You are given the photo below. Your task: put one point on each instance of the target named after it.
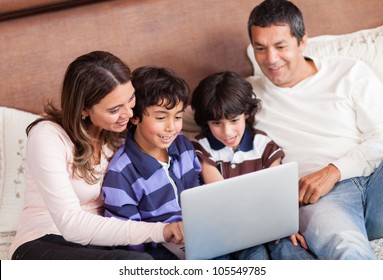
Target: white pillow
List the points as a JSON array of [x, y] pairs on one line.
[[12, 183], [366, 45]]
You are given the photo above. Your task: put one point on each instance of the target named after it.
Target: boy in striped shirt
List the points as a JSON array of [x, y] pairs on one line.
[[157, 162]]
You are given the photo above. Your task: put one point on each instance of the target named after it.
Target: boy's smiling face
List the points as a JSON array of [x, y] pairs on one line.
[[229, 131], [158, 129]]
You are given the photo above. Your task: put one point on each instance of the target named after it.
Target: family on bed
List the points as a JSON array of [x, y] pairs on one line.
[[104, 172]]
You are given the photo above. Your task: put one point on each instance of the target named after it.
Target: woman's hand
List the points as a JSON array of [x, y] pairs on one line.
[[174, 233]]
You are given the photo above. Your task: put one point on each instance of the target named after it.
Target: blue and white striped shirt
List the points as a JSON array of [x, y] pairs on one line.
[[137, 187]]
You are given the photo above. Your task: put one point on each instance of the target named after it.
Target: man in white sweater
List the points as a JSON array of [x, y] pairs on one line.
[[326, 115]]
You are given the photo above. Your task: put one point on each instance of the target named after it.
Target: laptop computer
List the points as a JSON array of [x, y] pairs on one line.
[[238, 213]]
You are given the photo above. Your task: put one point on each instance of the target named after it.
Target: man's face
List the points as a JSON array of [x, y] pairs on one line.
[[278, 54]]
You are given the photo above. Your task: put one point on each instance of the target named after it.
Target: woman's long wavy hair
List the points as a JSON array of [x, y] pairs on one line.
[[87, 80]]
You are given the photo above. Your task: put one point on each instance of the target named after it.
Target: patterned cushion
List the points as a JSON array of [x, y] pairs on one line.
[[12, 154], [377, 246]]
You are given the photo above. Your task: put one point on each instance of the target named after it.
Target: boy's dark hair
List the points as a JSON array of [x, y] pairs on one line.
[[224, 95], [278, 12], [158, 86]]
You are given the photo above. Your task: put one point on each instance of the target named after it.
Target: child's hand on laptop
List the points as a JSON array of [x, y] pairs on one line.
[[295, 238], [174, 233]]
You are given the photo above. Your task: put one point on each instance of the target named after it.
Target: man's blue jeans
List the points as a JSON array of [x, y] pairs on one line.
[[341, 223]]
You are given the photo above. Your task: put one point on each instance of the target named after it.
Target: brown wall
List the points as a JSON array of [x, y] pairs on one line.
[[195, 38]]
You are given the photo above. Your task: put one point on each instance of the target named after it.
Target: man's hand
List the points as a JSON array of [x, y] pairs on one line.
[[174, 233], [317, 184]]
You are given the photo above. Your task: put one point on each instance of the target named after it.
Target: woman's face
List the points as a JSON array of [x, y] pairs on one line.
[[113, 112]]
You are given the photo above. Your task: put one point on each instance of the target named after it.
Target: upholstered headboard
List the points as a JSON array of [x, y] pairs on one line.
[[38, 39]]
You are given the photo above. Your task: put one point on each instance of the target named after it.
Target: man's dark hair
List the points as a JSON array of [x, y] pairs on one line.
[[278, 12]]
